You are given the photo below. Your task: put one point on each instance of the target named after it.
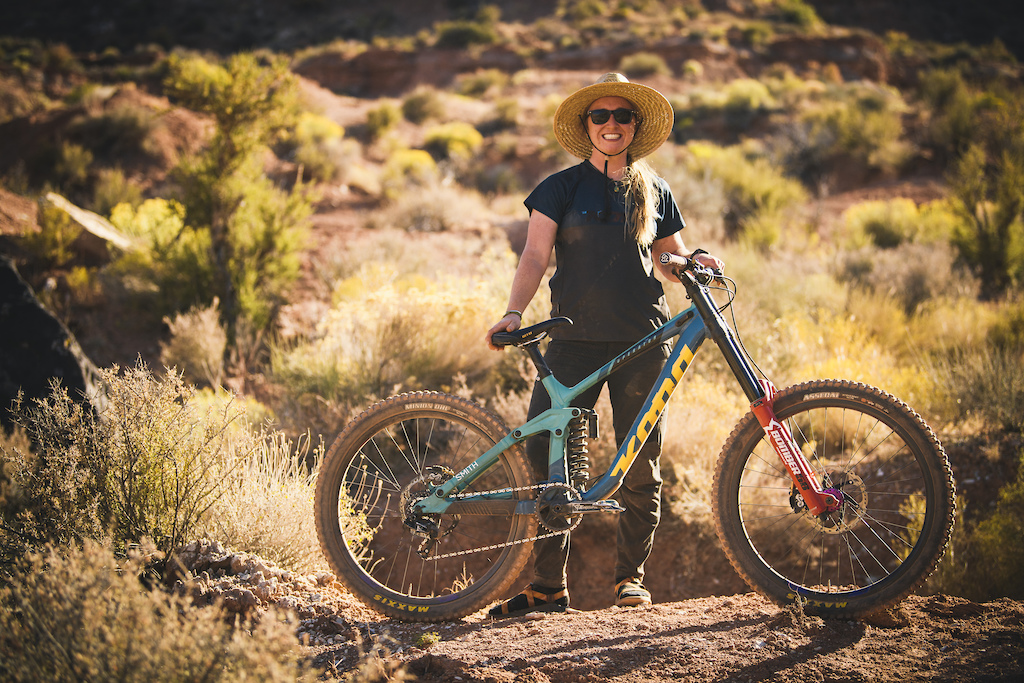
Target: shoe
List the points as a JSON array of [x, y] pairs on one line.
[[630, 593], [532, 600]]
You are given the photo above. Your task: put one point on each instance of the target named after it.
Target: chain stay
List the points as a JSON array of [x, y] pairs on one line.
[[498, 545]]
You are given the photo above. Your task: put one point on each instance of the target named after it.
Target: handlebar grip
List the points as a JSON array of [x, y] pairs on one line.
[[670, 259]]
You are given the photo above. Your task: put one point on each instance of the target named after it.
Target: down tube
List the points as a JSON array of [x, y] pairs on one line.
[[678, 361]]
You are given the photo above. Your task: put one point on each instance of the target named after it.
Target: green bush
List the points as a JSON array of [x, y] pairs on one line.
[[407, 168], [463, 33], [51, 246], [382, 119], [481, 82], [113, 188], [757, 191], [455, 140], [422, 104], [171, 270], [644, 65], [72, 165], [316, 145], [851, 123], [196, 347], [84, 615], [149, 465]]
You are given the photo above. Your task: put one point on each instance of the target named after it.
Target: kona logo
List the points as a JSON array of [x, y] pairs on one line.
[[388, 602], [775, 432], [654, 412]]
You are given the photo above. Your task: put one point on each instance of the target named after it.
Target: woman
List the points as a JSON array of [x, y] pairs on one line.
[[608, 220]]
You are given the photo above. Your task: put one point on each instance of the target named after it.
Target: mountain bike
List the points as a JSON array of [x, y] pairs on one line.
[[831, 493]]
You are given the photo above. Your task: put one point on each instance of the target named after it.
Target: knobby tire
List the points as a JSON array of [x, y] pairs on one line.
[[886, 539], [378, 466]]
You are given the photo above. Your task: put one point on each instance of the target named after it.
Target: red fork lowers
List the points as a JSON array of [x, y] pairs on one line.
[[817, 499]]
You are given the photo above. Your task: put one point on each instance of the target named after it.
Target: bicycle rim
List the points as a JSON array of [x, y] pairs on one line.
[[895, 519], [422, 567]]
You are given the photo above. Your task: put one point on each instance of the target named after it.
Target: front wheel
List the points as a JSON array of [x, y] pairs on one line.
[[895, 519], [412, 566]]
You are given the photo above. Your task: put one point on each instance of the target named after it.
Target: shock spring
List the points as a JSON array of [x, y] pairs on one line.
[[580, 429]]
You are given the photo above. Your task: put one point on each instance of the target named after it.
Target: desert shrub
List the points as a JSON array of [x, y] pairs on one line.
[[988, 193], [112, 188], [953, 107], [911, 274], [644, 65], [506, 113], [115, 134], [983, 382], [407, 168], [71, 169], [857, 122], [386, 333], [52, 244], [455, 140], [148, 465], [316, 145], [171, 270], [256, 230], [422, 104], [463, 33], [481, 82], [61, 485], [382, 119], [757, 191], [757, 34], [997, 539], [431, 207], [745, 97], [196, 347], [582, 10], [84, 615], [800, 13], [266, 506]]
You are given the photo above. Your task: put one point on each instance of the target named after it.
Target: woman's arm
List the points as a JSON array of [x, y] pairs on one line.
[[540, 240]]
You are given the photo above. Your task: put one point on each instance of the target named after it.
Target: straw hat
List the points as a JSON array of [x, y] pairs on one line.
[[655, 124]]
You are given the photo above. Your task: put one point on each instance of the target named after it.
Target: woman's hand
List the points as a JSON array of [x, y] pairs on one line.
[[710, 261], [510, 323]]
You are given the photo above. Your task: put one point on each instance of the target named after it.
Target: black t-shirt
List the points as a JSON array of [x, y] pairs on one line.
[[604, 281]]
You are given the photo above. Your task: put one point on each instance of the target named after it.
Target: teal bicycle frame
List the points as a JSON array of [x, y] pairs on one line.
[[692, 327]]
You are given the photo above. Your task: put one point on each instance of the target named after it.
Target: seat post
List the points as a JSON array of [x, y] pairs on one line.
[[532, 349]]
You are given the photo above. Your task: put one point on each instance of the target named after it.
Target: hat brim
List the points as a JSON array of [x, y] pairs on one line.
[[655, 111]]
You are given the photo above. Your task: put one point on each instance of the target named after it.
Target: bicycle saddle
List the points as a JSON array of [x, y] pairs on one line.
[[528, 335]]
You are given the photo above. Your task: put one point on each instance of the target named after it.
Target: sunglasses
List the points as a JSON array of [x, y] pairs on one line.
[[623, 116]]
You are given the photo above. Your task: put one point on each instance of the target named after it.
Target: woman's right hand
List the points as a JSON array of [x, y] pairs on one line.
[[510, 323]]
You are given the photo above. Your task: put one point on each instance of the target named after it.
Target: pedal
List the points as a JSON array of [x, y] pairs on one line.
[[597, 506]]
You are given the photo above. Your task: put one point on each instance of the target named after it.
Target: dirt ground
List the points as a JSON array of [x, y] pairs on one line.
[[735, 638], [741, 637]]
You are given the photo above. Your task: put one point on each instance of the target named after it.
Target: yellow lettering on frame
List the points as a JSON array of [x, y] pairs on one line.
[[654, 412]]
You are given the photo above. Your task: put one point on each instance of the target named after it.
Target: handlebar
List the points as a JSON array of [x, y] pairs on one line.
[[685, 264]]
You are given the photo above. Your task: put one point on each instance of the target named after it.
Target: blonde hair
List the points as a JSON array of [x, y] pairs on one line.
[[641, 201]]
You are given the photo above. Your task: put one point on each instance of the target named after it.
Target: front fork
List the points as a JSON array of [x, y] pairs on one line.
[[817, 499]]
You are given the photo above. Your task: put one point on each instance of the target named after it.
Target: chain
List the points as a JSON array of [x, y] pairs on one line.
[[498, 545]]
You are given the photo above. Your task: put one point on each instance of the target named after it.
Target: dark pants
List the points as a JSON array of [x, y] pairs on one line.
[[640, 493]]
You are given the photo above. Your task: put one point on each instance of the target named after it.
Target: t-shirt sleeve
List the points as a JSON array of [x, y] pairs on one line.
[[549, 197], [671, 220]]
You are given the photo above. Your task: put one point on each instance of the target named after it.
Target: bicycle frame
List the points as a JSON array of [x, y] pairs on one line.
[[692, 327]]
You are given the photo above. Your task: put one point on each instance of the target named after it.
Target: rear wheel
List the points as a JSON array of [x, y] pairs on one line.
[[413, 566], [895, 519]]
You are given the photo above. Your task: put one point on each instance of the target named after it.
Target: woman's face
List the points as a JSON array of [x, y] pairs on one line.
[[611, 137]]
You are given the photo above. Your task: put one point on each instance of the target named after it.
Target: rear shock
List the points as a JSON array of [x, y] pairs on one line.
[[580, 430]]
